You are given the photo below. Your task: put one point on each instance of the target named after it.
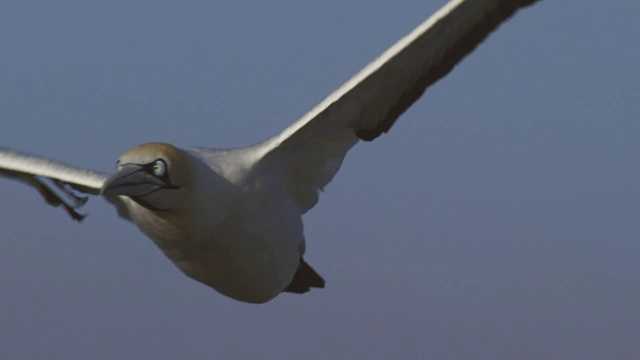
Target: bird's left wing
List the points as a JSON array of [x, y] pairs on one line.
[[310, 152], [57, 182]]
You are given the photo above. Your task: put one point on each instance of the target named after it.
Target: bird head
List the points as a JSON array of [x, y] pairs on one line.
[[154, 175]]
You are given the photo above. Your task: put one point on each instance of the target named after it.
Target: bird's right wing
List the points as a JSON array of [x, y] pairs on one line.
[[56, 181]]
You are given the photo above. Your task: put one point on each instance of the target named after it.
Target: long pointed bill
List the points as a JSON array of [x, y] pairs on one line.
[[133, 181]]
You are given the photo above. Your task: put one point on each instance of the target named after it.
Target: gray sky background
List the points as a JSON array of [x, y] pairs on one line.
[[498, 219]]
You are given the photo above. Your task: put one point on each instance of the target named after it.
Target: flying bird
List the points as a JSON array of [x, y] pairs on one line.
[[232, 219]]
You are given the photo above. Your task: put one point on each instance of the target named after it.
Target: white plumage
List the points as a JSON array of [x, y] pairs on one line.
[[231, 219]]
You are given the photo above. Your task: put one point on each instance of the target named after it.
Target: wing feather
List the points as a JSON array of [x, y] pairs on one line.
[[310, 151], [55, 181]]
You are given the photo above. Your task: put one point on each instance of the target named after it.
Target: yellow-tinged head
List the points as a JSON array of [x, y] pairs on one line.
[[154, 175]]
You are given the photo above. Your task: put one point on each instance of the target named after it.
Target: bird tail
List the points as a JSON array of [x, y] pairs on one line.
[[304, 279]]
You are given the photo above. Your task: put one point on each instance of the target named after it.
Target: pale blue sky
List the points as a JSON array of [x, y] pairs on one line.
[[498, 219]]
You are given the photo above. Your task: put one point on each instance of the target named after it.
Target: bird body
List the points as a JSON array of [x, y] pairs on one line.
[[221, 219], [231, 219]]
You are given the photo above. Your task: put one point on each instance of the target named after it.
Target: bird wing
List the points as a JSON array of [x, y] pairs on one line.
[[310, 152], [56, 181]]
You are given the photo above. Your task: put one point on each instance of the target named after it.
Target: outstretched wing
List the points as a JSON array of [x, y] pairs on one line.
[[57, 182], [310, 151]]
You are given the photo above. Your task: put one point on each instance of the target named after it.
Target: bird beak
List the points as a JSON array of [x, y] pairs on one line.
[[133, 181]]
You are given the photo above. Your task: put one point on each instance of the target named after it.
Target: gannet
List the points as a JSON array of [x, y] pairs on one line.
[[231, 219]]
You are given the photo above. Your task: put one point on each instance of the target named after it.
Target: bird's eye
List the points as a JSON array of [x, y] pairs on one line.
[[118, 165], [159, 168]]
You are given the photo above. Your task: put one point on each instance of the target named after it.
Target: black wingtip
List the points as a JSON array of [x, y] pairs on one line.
[[304, 279], [452, 57]]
